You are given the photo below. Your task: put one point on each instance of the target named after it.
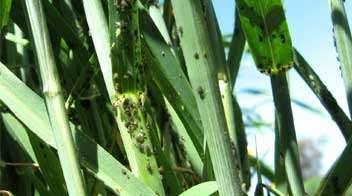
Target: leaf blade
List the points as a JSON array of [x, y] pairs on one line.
[[266, 31]]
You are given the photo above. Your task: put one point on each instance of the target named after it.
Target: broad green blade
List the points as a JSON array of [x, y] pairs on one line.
[[192, 154], [131, 100], [30, 109], [205, 188], [22, 151], [265, 27], [49, 165], [232, 110], [18, 133], [202, 66], [5, 8], [39, 152], [167, 73]]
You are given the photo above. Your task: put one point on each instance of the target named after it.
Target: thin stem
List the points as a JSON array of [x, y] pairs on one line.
[[54, 99]]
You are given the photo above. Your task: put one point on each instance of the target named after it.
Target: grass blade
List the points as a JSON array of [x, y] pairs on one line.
[[343, 43], [18, 133], [167, 73], [266, 31], [205, 188], [30, 109], [126, 92], [192, 153], [39, 152], [5, 8], [232, 110], [324, 95], [54, 99], [339, 177], [98, 28], [264, 25], [201, 64], [236, 50], [286, 133]]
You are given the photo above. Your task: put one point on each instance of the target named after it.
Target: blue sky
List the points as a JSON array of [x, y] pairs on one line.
[[311, 31]]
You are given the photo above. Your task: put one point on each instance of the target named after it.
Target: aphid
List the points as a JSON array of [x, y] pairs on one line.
[[196, 55], [140, 137], [148, 151], [124, 172], [180, 30], [115, 103], [132, 126], [201, 92], [149, 168]]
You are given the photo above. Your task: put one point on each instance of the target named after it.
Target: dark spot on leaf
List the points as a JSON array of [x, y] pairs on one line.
[[180, 30], [201, 92], [149, 168], [124, 172], [41, 145], [282, 38]]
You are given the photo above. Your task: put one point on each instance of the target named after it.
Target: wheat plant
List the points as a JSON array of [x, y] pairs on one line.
[[136, 97]]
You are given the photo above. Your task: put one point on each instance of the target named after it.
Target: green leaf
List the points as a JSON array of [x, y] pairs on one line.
[[203, 63], [39, 152], [5, 8], [287, 149], [18, 133], [266, 31], [30, 109], [339, 176], [237, 47], [205, 188], [343, 44], [54, 99], [167, 73], [49, 165], [131, 100], [324, 95]]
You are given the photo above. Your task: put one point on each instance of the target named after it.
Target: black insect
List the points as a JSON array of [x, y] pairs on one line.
[[201, 92]]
